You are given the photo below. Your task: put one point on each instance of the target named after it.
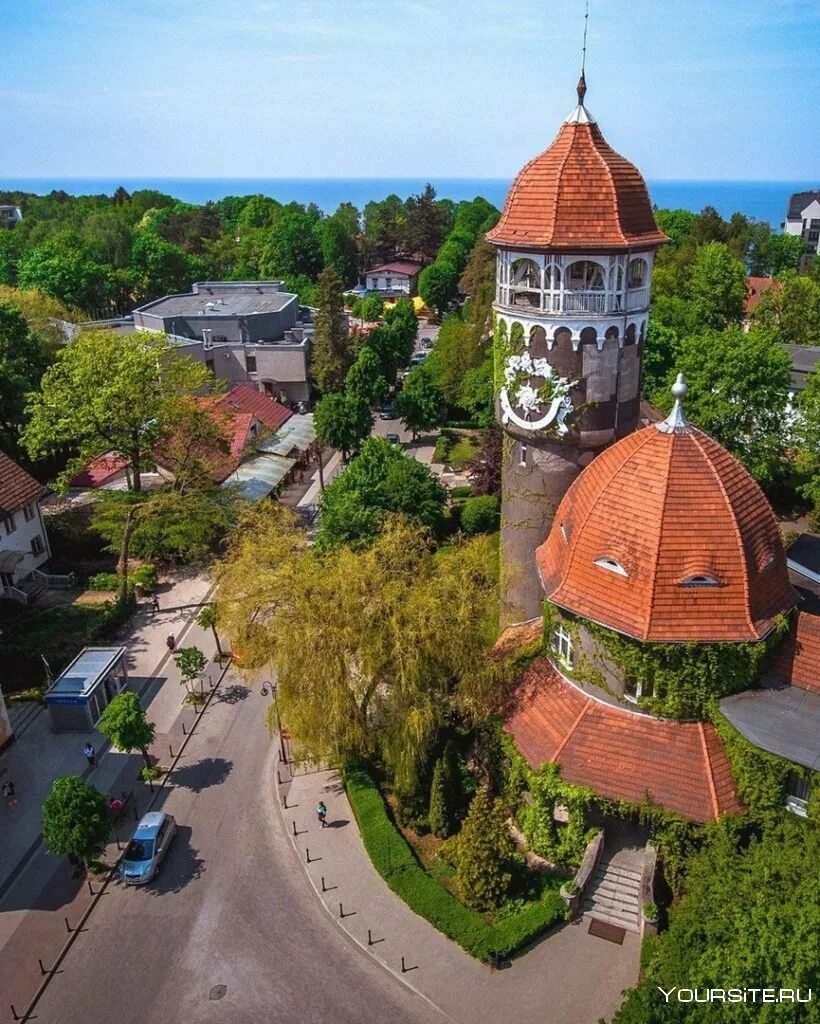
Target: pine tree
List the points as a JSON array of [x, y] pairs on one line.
[[331, 346], [483, 848], [440, 816]]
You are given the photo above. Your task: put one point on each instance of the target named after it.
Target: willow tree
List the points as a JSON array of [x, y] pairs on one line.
[[370, 646]]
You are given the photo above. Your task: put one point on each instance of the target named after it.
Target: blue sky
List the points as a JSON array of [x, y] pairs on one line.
[[446, 88]]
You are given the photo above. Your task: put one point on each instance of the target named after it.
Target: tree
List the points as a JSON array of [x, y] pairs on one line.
[[161, 268], [717, 288], [191, 663], [425, 224], [438, 285], [22, 363], [773, 254], [207, 618], [331, 344], [677, 224], [342, 420], [791, 310], [109, 392], [339, 248], [480, 514], [126, 725], [419, 402], [193, 442], [383, 229], [368, 644], [75, 818], [380, 480], [482, 853], [364, 378], [370, 308], [439, 817], [738, 387], [749, 916], [806, 430], [61, 267], [485, 468], [44, 315], [293, 245]]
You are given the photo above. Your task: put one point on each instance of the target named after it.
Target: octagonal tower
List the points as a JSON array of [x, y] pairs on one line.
[[575, 246]]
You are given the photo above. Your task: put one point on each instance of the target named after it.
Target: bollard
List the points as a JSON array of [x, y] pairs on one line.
[[68, 927], [15, 1015], [341, 911], [307, 854], [151, 784], [278, 777], [90, 889], [171, 749], [403, 968], [369, 938], [285, 800], [295, 833], [42, 969], [324, 887], [184, 732]]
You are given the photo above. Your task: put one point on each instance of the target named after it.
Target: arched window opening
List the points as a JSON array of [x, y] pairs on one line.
[[585, 276], [700, 580], [563, 647], [605, 562], [638, 273], [525, 284]]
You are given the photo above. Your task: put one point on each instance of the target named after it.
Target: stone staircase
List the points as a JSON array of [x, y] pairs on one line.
[[615, 891]]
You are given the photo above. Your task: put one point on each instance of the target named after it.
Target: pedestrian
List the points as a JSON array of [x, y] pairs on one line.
[[91, 755], [321, 813], [172, 643], [155, 604], [9, 794]]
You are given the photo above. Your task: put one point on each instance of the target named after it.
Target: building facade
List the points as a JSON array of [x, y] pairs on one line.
[[395, 280], [575, 247], [803, 218], [243, 331], [24, 543], [10, 215]]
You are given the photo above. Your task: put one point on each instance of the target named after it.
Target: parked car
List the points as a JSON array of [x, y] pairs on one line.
[[387, 412], [148, 846], [393, 439], [417, 357]]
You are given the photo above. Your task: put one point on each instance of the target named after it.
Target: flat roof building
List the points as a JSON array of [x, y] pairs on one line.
[[80, 694]]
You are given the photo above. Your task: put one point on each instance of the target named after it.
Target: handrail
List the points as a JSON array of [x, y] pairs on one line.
[[56, 580], [16, 594]]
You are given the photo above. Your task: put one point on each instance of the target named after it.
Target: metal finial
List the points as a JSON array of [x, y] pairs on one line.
[[676, 422], [582, 89]]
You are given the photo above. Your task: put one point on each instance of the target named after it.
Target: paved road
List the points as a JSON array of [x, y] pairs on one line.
[[231, 908]]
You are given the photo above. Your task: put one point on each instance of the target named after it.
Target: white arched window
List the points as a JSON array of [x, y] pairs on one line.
[[585, 276], [700, 580], [605, 562], [525, 283], [638, 273]]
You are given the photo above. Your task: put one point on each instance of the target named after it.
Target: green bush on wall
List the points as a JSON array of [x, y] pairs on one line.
[[395, 862]]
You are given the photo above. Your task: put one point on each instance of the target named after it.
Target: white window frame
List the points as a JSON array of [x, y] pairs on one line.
[[29, 511], [608, 563], [10, 523], [522, 455], [36, 541], [797, 804], [563, 646], [700, 581]]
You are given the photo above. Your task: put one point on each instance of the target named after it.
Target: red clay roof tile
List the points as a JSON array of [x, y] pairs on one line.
[[798, 660], [17, 487]]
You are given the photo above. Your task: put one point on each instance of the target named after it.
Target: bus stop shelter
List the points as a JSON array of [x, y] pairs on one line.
[[78, 697]]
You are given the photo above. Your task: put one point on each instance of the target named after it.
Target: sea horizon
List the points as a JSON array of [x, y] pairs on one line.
[[763, 200]]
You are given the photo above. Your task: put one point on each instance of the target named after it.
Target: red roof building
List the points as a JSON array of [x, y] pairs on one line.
[[245, 398], [756, 287], [621, 754], [578, 195], [798, 659], [666, 537], [17, 487]]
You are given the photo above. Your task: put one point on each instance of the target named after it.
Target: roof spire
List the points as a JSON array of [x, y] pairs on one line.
[[676, 422], [581, 115]]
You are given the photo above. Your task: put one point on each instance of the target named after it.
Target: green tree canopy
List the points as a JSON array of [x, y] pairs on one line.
[[62, 268], [482, 853], [191, 663], [380, 480], [126, 725], [342, 420], [109, 392], [438, 285], [75, 818], [425, 223], [367, 644], [364, 378], [749, 918], [738, 391], [717, 288], [293, 245], [331, 344], [22, 363], [419, 402], [791, 310]]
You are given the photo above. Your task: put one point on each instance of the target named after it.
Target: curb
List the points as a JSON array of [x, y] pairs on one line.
[[38, 995], [372, 957], [22, 863]]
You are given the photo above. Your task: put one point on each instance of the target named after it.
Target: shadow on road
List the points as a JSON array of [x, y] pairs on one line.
[[181, 866], [338, 823], [232, 694], [210, 771]]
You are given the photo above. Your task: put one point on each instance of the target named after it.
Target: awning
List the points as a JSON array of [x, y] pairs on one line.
[[259, 475], [785, 722], [9, 560], [298, 434]]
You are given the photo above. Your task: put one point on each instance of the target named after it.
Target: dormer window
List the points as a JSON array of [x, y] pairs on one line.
[[565, 533], [605, 562], [701, 580]]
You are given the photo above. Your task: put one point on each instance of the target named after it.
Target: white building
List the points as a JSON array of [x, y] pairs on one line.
[[23, 539], [803, 218], [393, 279], [10, 215]]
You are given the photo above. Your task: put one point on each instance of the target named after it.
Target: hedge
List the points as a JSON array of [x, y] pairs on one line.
[[396, 863]]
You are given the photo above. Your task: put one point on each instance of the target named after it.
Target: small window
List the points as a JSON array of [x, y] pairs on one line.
[[634, 689], [250, 362], [701, 581], [565, 533], [563, 647], [37, 546], [611, 566], [29, 512], [798, 789], [10, 523], [522, 455]]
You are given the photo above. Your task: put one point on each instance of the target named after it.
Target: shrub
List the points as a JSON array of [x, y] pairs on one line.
[[444, 445], [461, 492], [393, 859], [144, 577], [482, 855], [480, 515], [440, 817], [104, 581]]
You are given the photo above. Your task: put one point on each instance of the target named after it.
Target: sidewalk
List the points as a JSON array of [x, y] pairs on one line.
[[567, 976], [47, 892], [38, 755]]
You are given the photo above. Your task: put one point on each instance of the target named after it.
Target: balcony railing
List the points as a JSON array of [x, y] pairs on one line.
[[596, 303], [56, 580]]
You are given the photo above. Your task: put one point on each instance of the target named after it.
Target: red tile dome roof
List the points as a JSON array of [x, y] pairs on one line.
[[666, 537], [578, 195]]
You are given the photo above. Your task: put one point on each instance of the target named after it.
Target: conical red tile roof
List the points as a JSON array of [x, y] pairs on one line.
[[578, 195], [659, 508]]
